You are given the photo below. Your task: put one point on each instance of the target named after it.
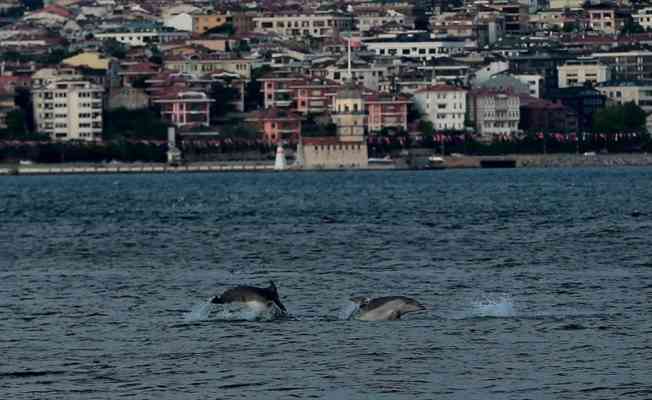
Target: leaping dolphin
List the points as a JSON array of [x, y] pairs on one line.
[[259, 299], [385, 308]]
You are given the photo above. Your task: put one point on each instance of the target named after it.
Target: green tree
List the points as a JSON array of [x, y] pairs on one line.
[[631, 27], [619, 118], [224, 97], [134, 124], [114, 48], [426, 127]]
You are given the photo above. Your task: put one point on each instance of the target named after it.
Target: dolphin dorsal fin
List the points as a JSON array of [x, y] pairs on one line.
[[272, 286]]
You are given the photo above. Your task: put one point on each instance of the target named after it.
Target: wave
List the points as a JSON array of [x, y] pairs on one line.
[[494, 307], [348, 310]]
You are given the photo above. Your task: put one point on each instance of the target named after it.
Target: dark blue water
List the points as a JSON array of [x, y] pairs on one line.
[[539, 280]]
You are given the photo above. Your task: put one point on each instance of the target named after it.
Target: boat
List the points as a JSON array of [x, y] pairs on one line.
[[387, 160], [436, 162]]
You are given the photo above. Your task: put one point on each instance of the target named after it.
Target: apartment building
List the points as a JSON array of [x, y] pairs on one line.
[[627, 65], [318, 25], [621, 92], [69, 110], [419, 46], [443, 105], [204, 64], [386, 111], [368, 20], [184, 108], [606, 18], [142, 33], [644, 17], [580, 72], [494, 113]]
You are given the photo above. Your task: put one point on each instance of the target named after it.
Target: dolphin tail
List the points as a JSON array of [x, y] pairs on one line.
[[272, 287]]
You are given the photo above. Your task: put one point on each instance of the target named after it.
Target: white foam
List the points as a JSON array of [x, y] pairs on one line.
[[500, 306], [231, 312], [348, 310]]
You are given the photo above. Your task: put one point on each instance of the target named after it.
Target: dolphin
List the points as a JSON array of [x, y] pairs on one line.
[[385, 308], [259, 299]]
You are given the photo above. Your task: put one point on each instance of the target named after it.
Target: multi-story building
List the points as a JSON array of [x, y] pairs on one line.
[[543, 116], [202, 23], [69, 110], [208, 63], [142, 34], [627, 65], [443, 105], [319, 24], [367, 20], [584, 101], [184, 108], [419, 46], [534, 83], [494, 113], [516, 14], [386, 112], [643, 17], [314, 96], [621, 92], [580, 72], [277, 125], [606, 18]]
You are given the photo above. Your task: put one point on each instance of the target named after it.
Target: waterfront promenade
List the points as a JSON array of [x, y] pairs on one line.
[[459, 161]]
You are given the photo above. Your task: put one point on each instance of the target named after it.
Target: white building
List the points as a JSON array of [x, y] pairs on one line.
[[69, 110], [578, 72], [367, 21], [534, 83], [443, 105], [494, 113], [142, 34], [644, 17], [180, 22], [420, 47]]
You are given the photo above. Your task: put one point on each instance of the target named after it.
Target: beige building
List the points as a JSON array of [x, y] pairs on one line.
[[69, 110], [621, 92], [196, 64], [297, 25], [349, 148], [579, 72]]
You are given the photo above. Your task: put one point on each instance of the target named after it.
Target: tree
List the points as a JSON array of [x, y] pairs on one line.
[[224, 97], [631, 27], [114, 48], [619, 118], [253, 95], [32, 4], [133, 124], [426, 127]]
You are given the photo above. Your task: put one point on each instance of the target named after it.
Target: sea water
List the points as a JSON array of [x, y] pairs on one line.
[[538, 283]]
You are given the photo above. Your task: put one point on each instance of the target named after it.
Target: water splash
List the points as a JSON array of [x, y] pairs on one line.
[[348, 310], [501, 306], [199, 312], [231, 312]]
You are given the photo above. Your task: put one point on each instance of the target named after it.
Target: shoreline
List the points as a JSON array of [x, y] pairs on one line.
[[450, 162]]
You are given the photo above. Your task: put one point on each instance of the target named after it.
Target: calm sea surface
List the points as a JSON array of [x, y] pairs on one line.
[[539, 282]]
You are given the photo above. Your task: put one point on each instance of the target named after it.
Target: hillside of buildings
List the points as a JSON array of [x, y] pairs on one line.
[[100, 80]]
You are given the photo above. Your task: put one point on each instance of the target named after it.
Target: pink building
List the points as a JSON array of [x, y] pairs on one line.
[[277, 125], [385, 111], [314, 96]]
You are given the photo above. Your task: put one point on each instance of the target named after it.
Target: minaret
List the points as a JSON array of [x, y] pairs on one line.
[[349, 110], [299, 160]]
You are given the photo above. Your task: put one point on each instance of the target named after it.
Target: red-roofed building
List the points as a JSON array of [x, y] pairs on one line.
[[538, 115]]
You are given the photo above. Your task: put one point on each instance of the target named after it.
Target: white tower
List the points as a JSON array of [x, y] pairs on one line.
[[280, 163]]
